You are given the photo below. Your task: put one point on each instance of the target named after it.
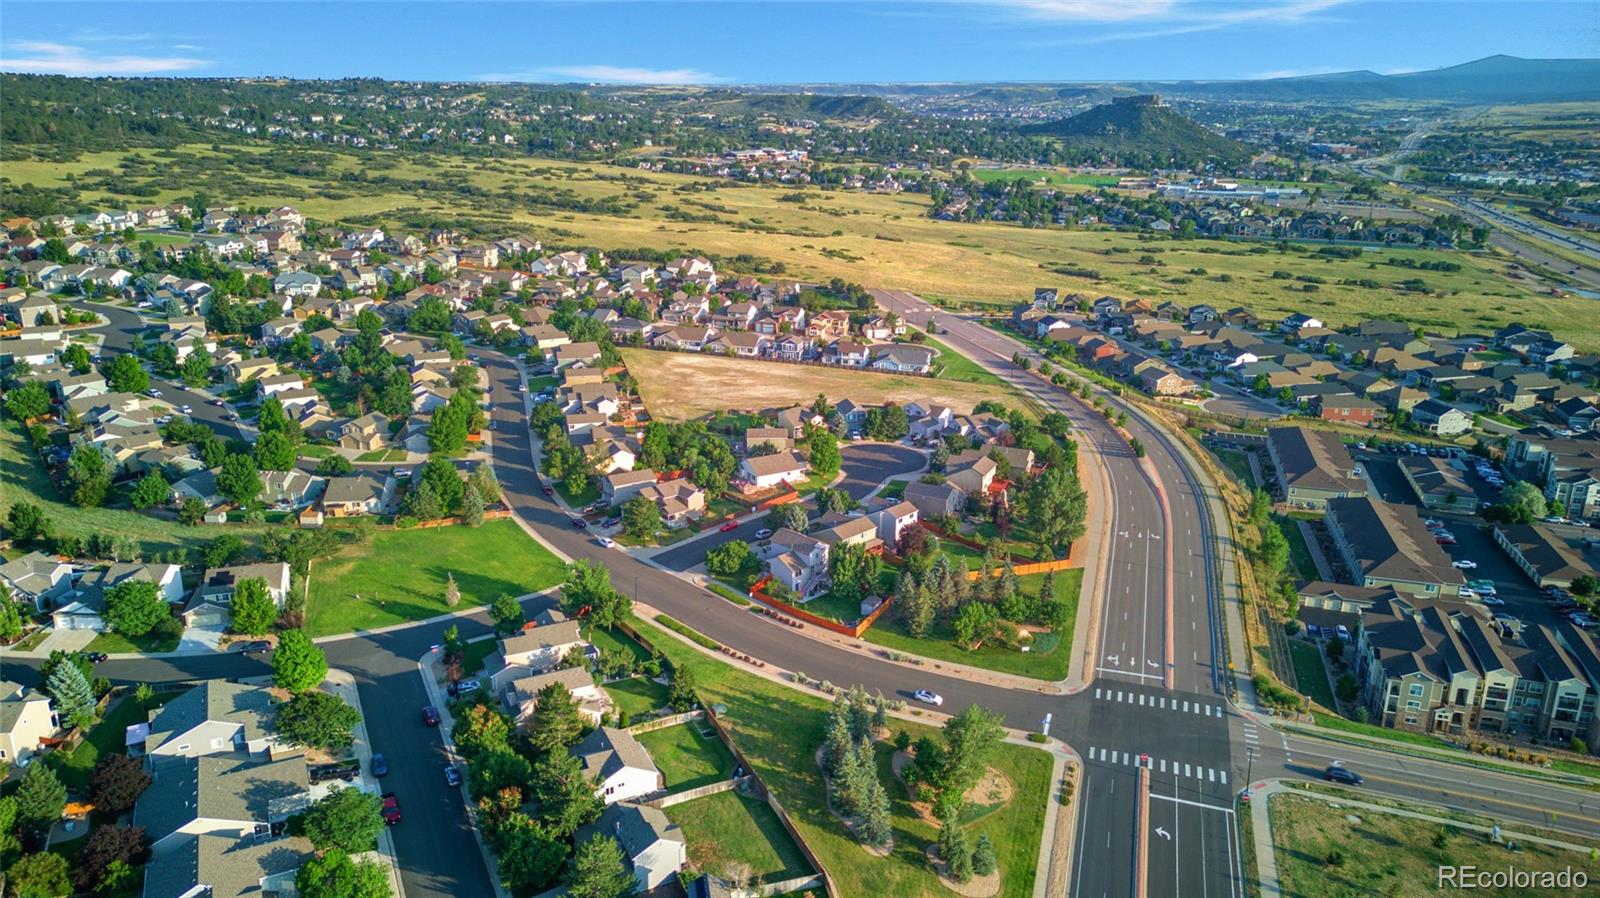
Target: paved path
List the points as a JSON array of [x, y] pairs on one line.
[[1314, 546]]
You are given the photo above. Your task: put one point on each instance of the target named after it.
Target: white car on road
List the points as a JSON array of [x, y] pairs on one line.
[[1465, 564], [932, 698], [606, 542]]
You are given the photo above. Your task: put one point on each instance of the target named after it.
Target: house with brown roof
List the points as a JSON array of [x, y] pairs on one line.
[[1313, 466]]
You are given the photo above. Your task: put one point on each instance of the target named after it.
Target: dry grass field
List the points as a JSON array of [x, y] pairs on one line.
[[878, 240], [679, 386]]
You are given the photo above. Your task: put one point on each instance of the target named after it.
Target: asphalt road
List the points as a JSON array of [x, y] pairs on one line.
[[864, 465], [117, 333]]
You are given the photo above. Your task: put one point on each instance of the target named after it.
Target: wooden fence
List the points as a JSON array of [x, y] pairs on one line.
[[853, 631], [661, 723], [727, 785], [777, 808], [1032, 567], [1020, 564]]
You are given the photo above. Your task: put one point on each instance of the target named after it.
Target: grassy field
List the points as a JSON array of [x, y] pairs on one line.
[[833, 234], [637, 695], [1053, 177], [1299, 553], [1327, 854], [729, 828], [1308, 671], [114, 643], [25, 480], [687, 759], [399, 575], [953, 365], [679, 386], [779, 729]]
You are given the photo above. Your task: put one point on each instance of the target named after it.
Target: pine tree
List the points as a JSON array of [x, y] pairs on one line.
[[40, 798], [842, 787], [926, 609], [10, 618], [837, 743], [1047, 587], [874, 827], [73, 695], [983, 862], [860, 713], [863, 775], [960, 862], [452, 593], [880, 714]]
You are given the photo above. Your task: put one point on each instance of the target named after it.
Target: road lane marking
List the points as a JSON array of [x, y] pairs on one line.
[[1196, 804]]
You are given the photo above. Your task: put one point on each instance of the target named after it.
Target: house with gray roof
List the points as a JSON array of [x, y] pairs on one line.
[[210, 602], [619, 766], [222, 795], [36, 578], [653, 847], [215, 866], [1313, 466], [216, 717], [26, 720]]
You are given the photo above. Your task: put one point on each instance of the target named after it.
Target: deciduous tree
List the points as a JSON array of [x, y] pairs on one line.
[[253, 610], [318, 719], [117, 782], [333, 874], [346, 820], [297, 664]]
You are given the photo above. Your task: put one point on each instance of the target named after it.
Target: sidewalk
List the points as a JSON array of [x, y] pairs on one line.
[[430, 667], [342, 684], [1091, 594]]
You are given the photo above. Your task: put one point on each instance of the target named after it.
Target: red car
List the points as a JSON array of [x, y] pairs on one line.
[[430, 716], [731, 525], [391, 809]]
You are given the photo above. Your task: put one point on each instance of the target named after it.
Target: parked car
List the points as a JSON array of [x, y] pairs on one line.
[[928, 697], [549, 491], [729, 527], [1492, 601], [463, 687], [391, 809], [606, 542], [156, 394], [580, 523], [1467, 592], [1337, 773], [430, 716], [255, 647], [1465, 564], [380, 766], [763, 533], [95, 657], [452, 776], [321, 773], [1343, 632], [186, 409]]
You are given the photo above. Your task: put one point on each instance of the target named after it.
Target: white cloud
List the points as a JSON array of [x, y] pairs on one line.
[[1092, 10], [1300, 73], [48, 57], [610, 74]]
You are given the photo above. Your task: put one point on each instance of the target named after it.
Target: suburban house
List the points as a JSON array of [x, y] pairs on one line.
[[1441, 418], [358, 494], [621, 486], [208, 605], [573, 353], [652, 846], [532, 652], [892, 522], [37, 579], [798, 561], [1346, 410], [223, 795], [679, 501], [367, 433], [1313, 466], [777, 437], [215, 717], [767, 471], [935, 500], [522, 696], [971, 472], [26, 720], [618, 765], [221, 866], [1440, 483], [84, 607]]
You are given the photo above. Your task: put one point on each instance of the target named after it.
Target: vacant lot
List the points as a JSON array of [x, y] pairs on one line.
[[1323, 853], [879, 240], [679, 386], [400, 575]]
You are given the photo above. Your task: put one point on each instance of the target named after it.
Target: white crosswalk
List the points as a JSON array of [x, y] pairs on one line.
[[1159, 702], [1158, 765]]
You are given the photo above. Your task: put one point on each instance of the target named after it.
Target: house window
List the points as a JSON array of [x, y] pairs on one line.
[[1416, 689], [1413, 705]]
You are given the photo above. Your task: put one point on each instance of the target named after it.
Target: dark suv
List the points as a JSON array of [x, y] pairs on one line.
[[1337, 774]]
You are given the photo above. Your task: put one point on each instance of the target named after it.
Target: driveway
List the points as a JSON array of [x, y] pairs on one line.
[[66, 641], [202, 637]]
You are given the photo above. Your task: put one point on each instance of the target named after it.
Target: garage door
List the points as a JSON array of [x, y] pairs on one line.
[[210, 619]]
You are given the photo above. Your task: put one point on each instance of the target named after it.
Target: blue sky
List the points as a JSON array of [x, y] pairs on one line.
[[756, 41]]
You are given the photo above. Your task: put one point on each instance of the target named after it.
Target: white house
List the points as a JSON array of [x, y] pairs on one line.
[[894, 521], [653, 847], [532, 652], [212, 599], [619, 766], [767, 471], [522, 696], [216, 717]]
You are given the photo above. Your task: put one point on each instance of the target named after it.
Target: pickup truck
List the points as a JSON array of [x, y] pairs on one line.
[[391, 809]]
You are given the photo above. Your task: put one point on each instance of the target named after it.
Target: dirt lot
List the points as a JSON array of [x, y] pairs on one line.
[[678, 386]]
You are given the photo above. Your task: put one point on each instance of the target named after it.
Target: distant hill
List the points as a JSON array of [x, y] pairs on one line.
[[1139, 130], [1494, 79], [818, 106]]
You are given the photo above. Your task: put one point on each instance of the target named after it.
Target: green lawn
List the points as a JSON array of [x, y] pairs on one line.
[[687, 759], [1300, 559], [617, 641], [383, 455], [1335, 722], [399, 575], [106, 737], [539, 384], [952, 365], [477, 650], [1337, 854], [25, 480], [729, 828], [637, 695], [311, 450], [341, 398], [779, 729], [1048, 659], [1308, 671], [894, 490], [1235, 461], [114, 643], [581, 498]]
